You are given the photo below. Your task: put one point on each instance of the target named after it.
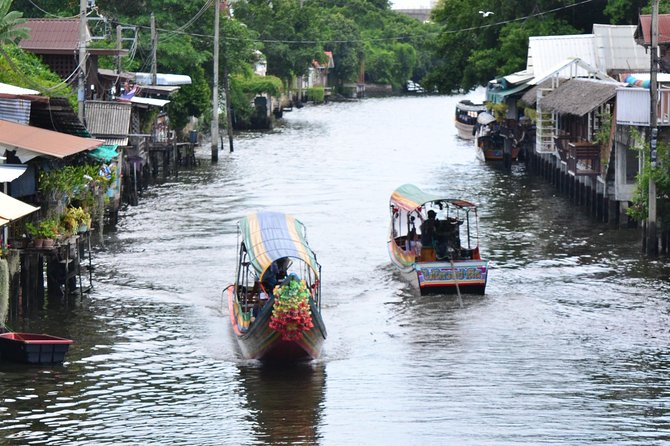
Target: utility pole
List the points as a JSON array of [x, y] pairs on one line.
[[117, 86], [215, 88], [154, 44], [81, 92], [652, 242], [229, 109]]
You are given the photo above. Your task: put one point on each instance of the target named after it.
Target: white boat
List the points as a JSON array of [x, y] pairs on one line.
[[466, 117]]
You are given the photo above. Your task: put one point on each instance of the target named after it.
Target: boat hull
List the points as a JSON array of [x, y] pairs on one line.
[[496, 154], [492, 148], [466, 118], [258, 341], [464, 276], [465, 131], [33, 348]]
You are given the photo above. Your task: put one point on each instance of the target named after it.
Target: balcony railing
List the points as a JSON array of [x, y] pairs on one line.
[[633, 106], [581, 157]]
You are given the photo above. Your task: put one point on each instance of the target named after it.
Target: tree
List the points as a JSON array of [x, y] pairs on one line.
[[10, 21], [287, 31], [472, 49]]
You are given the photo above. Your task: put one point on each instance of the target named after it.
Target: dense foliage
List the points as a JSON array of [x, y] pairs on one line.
[[639, 208]]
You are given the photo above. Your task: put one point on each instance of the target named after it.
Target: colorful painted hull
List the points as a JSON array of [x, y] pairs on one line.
[[496, 154], [258, 341], [466, 276], [490, 148]]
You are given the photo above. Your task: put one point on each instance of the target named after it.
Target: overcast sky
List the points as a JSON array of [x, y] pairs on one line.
[[410, 4]]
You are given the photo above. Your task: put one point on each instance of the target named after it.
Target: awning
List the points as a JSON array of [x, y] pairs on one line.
[[497, 96], [10, 172], [30, 142], [12, 209], [14, 90], [149, 101], [163, 79], [269, 236]]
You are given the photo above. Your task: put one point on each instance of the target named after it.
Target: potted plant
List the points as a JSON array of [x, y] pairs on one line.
[[32, 231], [48, 232], [69, 222], [83, 218]]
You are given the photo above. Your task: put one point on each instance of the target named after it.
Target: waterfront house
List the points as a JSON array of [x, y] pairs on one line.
[[56, 42]]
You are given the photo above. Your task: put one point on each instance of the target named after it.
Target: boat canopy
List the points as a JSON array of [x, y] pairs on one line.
[[485, 118], [269, 236], [408, 197]]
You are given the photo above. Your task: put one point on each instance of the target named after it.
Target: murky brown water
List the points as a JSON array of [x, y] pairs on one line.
[[569, 346]]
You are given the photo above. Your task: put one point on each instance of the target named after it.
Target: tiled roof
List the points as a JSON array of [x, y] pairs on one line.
[[643, 31], [52, 36]]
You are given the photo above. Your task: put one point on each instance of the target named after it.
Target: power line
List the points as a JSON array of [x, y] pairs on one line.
[[383, 39]]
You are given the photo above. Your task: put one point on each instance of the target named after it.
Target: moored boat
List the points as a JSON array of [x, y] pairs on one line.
[[275, 301], [493, 141], [466, 117], [33, 348], [435, 240]]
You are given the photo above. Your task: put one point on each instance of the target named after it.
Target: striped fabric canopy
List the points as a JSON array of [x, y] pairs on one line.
[[269, 236], [408, 197]]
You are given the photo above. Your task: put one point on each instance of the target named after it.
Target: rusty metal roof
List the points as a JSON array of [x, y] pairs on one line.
[[643, 32], [57, 115], [109, 120], [52, 36], [59, 36], [15, 136]]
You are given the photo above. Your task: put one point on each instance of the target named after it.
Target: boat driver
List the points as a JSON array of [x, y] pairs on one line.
[[275, 273], [428, 229]]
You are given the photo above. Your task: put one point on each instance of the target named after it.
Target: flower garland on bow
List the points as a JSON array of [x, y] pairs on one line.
[[290, 313]]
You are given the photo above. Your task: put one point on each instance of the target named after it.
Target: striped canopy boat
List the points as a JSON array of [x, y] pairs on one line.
[[436, 241], [275, 301]]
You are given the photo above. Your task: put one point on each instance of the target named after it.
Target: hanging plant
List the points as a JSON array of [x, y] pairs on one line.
[[290, 313]]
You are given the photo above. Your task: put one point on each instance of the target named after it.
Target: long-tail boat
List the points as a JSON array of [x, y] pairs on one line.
[[435, 240], [275, 301]]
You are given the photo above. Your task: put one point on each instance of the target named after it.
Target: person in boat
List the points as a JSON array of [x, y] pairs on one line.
[[428, 228], [412, 241], [275, 274], [259, 305], [447, 238]]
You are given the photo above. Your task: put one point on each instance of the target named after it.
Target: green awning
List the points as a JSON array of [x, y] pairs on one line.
[[497, 96], [105, 153]]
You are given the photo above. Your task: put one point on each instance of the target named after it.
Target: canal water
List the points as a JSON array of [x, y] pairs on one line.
[[569, 346]]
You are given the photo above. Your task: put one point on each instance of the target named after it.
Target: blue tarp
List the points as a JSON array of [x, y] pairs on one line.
[[105, 153]]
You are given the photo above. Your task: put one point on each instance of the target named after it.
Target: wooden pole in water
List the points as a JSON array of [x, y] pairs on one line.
[[215, 87], [652, 242], [458, 288]]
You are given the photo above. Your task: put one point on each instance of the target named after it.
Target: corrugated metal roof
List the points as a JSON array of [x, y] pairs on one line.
[[545, 52], [15, 110], [57, 115], [15, 136], [617, 50], [52, 36], [109, 121], [14, 90], [643, 31]]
